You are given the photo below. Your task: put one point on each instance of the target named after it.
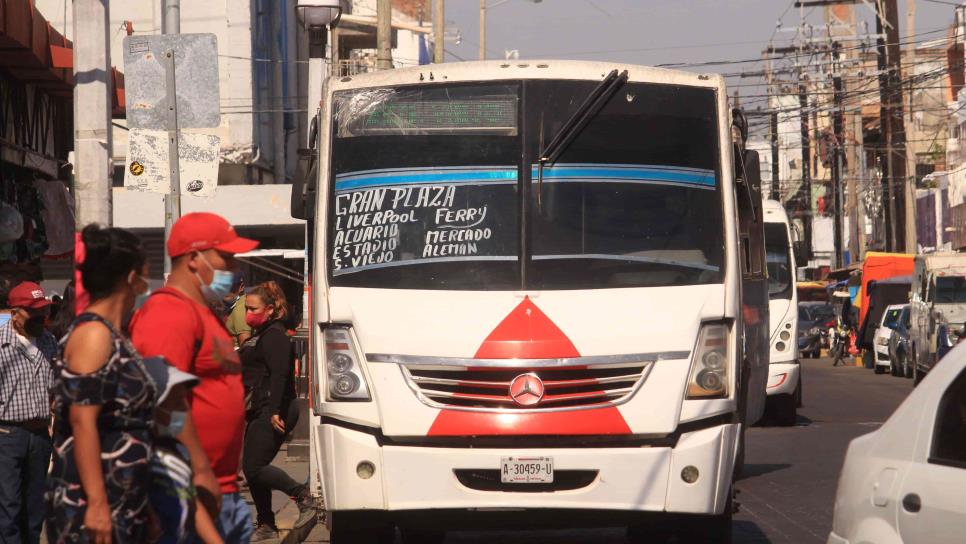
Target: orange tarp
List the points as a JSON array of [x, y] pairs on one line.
[[879, 266]]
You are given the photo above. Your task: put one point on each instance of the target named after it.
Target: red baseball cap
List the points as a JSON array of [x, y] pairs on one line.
[[200, 231], [27, 295]]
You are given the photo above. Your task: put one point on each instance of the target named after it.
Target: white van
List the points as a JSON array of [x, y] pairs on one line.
[[784, 371]]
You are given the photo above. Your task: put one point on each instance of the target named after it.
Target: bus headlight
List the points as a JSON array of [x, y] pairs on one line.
[[344, 378], [709, 367]]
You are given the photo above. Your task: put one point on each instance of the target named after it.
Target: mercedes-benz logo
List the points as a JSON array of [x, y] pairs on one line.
[[527, 390]]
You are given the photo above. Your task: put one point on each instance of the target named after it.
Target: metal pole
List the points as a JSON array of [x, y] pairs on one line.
[[482, 29], [171, 24], [92, 113], [910, 179], [838, 133], [806, 206], [775, 194], [384, 34], [439, 30], [278, 99]]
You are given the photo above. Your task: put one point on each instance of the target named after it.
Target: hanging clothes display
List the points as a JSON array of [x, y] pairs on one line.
[[57, 215]]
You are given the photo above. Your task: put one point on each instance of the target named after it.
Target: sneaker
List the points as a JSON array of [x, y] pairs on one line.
[[308, 518], [265, 533], [308, 513]]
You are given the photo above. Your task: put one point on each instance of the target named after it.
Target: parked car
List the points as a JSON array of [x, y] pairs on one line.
[[903, 483], [882, 335], [814, 320], [900, 363]]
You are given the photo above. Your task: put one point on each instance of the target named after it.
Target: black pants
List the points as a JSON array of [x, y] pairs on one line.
[[262, 443], [24, 457]]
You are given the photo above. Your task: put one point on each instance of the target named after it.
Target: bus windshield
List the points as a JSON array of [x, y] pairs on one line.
[[779, 261], [950, 289], [438, 187]]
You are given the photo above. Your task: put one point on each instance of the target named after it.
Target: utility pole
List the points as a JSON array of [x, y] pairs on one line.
[[910, 179], [773, 132], [384, 34], [806, 166], [482, 29], [171, 24], [439, 30], [893, 130], [92, 113], [775, 195], [836, 161]]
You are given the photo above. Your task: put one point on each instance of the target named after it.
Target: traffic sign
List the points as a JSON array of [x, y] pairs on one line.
[[149, 168], [195, 60]]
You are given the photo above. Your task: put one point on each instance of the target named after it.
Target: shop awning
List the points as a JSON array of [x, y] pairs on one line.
[[34, 52]]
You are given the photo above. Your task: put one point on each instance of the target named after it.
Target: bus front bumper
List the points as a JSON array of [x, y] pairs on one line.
[[630, 479]]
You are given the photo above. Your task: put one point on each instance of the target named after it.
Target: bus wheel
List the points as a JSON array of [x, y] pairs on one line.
[[421, 536], [786, 409], [359, 528], [710, 529], [650, 533]]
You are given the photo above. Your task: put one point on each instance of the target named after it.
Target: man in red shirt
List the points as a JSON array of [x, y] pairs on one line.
[[178, 322]]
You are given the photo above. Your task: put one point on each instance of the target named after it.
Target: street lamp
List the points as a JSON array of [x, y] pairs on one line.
[[318, 13], [483, 8]]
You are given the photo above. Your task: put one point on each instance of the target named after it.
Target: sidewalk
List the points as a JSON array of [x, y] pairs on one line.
[[286, 512]]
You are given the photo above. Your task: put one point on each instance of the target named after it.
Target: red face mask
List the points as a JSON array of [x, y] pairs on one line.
[[256, 320]]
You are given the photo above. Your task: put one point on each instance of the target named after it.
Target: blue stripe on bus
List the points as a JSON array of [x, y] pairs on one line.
[[423, 177], [555, 174], [618, 173]]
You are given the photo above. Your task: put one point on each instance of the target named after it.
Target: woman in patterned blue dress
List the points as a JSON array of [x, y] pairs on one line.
[[104, 404]]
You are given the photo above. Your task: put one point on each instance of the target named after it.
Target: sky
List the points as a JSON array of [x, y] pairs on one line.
[[652, 32]]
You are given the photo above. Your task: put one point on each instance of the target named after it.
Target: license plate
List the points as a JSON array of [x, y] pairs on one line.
[[526, 470]]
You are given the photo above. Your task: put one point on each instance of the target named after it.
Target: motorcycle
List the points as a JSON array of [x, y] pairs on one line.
[[839, 342]]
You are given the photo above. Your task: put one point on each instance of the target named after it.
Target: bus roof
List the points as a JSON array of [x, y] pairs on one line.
[[529, 69], [774, 211]]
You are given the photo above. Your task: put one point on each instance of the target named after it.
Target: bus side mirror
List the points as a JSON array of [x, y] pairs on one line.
[[801, 252], [752, 170], [304, 185]]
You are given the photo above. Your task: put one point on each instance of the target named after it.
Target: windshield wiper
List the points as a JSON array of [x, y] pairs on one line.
[[598, 97]]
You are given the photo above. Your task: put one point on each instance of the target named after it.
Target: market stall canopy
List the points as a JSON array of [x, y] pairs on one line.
[[34, 52]]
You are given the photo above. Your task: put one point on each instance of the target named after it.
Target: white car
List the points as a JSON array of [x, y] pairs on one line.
[[890, 317], [904, 482]]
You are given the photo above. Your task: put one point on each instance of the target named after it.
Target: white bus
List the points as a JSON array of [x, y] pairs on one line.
[[784, 371], [539, 290]]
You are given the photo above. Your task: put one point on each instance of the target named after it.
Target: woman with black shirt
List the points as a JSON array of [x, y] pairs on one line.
[[268, 368]]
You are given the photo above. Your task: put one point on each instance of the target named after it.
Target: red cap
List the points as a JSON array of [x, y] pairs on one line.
[[200, 231], [27, 295]]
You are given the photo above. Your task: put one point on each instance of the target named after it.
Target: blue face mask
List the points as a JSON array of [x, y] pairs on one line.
[[220, 286], [175, 425]]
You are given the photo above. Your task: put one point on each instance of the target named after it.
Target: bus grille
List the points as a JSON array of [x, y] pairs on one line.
[[489, 388]]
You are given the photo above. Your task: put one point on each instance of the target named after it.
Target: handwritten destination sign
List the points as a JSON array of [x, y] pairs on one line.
[[395, 218]]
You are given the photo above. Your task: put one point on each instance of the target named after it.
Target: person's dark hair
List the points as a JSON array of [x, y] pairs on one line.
[[110, 255], [6, 284], [62, 319], [271, 295]]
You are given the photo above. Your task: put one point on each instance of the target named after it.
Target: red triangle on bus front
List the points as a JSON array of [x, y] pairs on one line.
[[527, 333]]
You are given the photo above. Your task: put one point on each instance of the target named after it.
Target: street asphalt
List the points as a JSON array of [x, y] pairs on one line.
[[788, 490]]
